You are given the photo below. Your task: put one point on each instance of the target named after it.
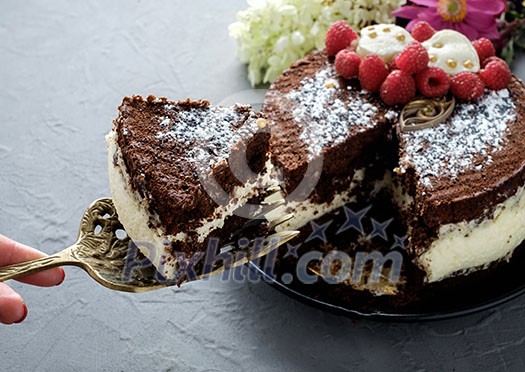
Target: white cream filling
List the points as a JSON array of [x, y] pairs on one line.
[[307, 211], [240, 196], [463, 247], [132, 210], [135, 217]]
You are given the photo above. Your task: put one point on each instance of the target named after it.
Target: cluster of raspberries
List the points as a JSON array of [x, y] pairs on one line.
[[409, 73]]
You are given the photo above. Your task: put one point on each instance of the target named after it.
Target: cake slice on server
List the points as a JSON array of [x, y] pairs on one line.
[[181, 171]]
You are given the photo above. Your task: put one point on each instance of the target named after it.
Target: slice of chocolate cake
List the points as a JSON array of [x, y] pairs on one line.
[[464, 183], [180, 171], [330, 139]]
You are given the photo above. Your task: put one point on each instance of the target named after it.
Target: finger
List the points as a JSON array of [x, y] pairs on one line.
[[12, 307], [12, 252]]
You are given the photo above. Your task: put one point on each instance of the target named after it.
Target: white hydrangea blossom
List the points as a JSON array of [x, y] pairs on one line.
[[272, 34]]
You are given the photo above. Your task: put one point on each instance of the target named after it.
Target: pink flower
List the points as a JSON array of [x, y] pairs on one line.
[[473, 18]]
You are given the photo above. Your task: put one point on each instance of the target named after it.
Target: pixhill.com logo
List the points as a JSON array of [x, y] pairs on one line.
[[310, 266], [375, 255]]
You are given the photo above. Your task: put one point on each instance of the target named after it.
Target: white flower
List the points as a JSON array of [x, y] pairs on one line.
[[272, 34]]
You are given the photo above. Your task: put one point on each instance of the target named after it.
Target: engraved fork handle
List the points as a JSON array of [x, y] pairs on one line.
[[21, 269], [91, 218]]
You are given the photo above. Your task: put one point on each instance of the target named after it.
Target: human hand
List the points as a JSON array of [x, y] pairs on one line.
[[12, 306]]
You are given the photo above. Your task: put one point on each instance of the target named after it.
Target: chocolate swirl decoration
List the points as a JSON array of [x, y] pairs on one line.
[[426, 113]]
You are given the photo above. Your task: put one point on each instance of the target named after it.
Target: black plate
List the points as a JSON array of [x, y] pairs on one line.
[[474, 302], [448, 298]]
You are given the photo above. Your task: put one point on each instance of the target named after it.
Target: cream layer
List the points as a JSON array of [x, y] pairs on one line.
[[471, 245]]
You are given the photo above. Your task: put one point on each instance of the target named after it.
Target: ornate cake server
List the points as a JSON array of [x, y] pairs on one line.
[[105, 252]]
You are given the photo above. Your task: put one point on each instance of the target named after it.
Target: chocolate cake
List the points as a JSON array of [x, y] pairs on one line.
[[180, 171], [458, 185], [184, 172]]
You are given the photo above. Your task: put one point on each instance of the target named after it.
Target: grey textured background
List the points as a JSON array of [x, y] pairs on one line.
[[64, 68]]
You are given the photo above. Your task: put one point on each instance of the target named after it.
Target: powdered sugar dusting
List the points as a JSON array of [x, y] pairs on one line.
[[206, 134], [164, 121], [391, 115], [474, 130], [326, 119]]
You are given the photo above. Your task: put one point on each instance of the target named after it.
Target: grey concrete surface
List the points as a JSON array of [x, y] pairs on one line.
[[65, 67]]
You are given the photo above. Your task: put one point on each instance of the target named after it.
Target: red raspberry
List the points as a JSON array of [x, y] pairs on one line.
[[467, 86], [339, 36], [433, 82], [347, 63], [485, 48], [496, 75], [493, 59], [372, 72], [398, 88], [413, 59], [422, 31]]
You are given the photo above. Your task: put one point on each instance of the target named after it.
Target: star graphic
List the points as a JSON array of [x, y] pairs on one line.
[[318, 231], [379, 228], [292, 250], [399, 242], [353, 219]]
